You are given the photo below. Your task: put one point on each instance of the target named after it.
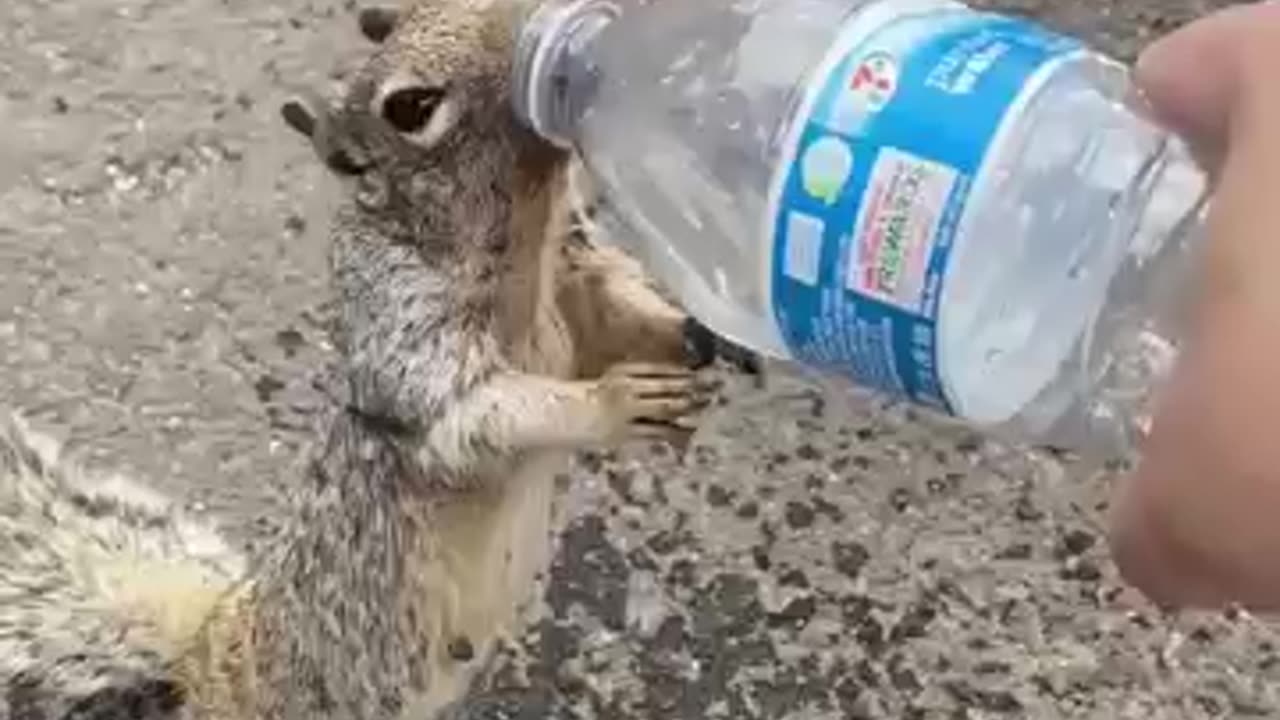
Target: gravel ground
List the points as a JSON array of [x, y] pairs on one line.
[[163, 307]]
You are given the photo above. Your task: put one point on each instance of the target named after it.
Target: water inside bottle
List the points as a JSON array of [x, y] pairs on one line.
[[1050, 221], [703, 122], [1048, 285]]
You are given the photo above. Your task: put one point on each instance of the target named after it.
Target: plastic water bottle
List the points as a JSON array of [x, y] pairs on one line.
[[958, 208]]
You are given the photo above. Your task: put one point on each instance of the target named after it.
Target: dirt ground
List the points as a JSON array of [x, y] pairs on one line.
[[163, 307]]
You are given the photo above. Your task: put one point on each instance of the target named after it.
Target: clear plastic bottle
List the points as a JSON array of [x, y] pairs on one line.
[[959, 208]]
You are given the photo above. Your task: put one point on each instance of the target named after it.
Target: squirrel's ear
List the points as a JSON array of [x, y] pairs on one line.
[[376, 23], [299, 117]]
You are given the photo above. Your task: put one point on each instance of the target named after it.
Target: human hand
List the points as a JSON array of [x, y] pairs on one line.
[[1196, 524]]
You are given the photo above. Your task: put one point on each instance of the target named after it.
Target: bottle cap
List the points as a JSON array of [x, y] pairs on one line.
[[535, 92]]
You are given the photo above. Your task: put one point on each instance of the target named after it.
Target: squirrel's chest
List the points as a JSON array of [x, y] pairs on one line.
[[536, 337], [548, 348]]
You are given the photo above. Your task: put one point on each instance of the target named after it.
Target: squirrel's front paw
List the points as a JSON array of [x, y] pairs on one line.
[[653, 401]]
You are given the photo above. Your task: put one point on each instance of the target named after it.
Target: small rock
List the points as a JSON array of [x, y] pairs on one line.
[[642, 488], [847, 692], [794, 577], [592, 461], [902, 677], [1076, 542], [854, 609], [900, 499], [829, 509], [1081, 570], [997, 701], [718, 496], [849, 558], [295, 224], [945, 484], [670, 636], [915, 622], [799, 515], [1016, 551], [795, 614], [808, 452], [620, 482], [1026, 511], [266, 387], [870, 635], [640, 559], [760, 556], [290, 341], [663, 542], [682, 574]]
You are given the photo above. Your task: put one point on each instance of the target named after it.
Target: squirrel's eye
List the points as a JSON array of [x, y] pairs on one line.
[[410, 109]]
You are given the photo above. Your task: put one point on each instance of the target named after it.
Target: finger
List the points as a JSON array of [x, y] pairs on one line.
[[1191, 78], [662, 389], [656, 389], [672, 407], [652, 371]]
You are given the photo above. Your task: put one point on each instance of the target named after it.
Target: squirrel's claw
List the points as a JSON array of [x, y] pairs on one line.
[[704, 347]]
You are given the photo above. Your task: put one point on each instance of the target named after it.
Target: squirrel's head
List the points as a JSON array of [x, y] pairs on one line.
[[427, 119]]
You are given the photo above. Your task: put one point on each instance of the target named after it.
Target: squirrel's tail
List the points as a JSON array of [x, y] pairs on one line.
[[102, 583]]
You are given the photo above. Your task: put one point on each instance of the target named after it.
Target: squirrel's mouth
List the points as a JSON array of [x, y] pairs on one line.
[[343, 164]]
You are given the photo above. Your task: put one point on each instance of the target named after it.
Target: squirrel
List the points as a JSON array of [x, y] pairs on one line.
[[484, 338]]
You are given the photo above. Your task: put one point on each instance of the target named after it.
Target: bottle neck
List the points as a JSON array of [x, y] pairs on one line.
[[553, 76]]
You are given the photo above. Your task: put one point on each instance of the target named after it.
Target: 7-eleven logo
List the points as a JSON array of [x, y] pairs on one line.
[[875, 80]]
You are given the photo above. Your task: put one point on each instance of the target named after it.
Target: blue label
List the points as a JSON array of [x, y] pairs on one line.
[[875, 185]]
